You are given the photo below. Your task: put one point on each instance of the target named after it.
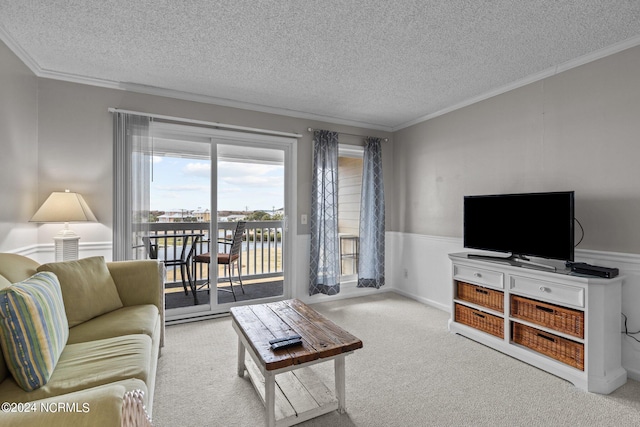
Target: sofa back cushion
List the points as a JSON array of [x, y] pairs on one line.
[[33, 329], [87, 287]]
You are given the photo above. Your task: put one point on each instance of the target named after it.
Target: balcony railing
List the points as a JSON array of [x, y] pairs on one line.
[[261, 254]]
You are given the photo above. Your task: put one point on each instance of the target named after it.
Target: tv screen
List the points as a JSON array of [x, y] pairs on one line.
[[529, 224]]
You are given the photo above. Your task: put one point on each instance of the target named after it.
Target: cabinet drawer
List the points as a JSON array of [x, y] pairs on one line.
[[478, 276], [552, 292], [566, 351], [482, 296], [480, 320], [562, 319]]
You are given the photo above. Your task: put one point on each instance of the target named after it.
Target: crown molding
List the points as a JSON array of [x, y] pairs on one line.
[[206, 99], [224, 102], [584, 59], [31, 63], [13, 45]]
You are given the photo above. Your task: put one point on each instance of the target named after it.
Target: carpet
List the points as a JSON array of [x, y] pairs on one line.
[[411, 372]]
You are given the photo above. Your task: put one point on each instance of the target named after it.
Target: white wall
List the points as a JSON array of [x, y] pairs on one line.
[[19, 152], [578, 130]]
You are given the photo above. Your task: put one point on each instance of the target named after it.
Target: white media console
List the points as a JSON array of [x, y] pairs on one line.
[[563, 323]]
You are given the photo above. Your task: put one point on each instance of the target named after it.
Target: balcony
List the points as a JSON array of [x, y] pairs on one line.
[[260, 258]]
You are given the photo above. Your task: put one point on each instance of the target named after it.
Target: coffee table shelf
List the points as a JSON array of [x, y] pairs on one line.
[[299, 395]]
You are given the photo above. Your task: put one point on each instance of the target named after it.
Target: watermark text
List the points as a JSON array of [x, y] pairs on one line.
[[47, 407]]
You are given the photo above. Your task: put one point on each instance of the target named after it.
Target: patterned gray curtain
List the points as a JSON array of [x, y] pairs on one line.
[[325, 246], [371, 258]]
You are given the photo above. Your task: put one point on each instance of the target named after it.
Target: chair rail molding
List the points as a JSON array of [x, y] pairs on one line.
[[45, 252]]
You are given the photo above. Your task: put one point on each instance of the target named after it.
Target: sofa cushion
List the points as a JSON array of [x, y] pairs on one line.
[[139, 319], [87, 288], [90, 364], [33, 329]]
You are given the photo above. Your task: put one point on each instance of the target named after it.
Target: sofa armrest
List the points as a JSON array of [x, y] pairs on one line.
[[108, 405], [140, 282], [134, 413]]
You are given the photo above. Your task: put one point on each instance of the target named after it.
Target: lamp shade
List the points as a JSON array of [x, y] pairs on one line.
[[64, 207]]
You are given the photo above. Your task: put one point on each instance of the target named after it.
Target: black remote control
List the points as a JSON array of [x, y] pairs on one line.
[[286, 344], [292, 337]]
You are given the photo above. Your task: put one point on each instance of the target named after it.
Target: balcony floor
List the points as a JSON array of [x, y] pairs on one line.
[[254, 289]]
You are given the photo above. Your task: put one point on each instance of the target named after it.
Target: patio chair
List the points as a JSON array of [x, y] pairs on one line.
[[152, 248], [227, 258], [189, 242]]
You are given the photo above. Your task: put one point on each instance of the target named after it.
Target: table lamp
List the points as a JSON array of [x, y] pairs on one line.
[[64, 207]]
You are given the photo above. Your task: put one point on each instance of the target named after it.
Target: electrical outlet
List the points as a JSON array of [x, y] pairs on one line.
[[406, 273]]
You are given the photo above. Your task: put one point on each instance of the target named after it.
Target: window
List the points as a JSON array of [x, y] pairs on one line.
[[349, 193]]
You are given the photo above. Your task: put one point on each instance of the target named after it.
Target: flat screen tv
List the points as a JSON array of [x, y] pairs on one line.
[[527, 224]]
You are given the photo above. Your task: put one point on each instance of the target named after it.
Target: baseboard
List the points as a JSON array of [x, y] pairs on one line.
[[349, 292], [633, 374], [425, 301]]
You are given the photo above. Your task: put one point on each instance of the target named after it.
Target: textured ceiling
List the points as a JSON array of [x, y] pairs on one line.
[[378, 64]]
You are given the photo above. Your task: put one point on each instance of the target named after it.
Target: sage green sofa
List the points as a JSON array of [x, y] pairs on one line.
[[105, 373]]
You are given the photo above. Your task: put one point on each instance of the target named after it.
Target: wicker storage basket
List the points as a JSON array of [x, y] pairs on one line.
[[566, 351], [551, 316], [481, 296], [485, 322]]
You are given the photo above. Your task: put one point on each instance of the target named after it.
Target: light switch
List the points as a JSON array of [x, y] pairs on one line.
[[303, 219]]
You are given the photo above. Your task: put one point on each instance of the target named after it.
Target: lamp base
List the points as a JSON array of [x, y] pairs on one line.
[[66, 247]]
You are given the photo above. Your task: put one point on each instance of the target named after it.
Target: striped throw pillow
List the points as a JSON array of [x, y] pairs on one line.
[[33, 328]]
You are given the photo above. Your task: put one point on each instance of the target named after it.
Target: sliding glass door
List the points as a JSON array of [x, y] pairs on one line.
[[180, 214], [250, 193], [204, 183]]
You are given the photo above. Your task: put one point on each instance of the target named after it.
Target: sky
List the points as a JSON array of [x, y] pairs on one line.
[[180, 183]]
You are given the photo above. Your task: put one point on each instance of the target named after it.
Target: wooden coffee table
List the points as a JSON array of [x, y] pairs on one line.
[[296, 395]]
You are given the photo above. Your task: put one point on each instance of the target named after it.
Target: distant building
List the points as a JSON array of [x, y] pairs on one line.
[[174, 217], [202, 215], [185, 215]]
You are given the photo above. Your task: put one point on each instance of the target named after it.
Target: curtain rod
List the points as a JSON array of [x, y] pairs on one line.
[[205, 123], [350, 134]]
